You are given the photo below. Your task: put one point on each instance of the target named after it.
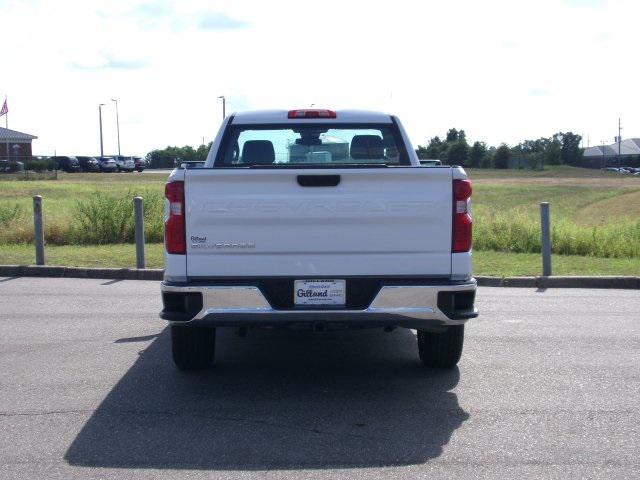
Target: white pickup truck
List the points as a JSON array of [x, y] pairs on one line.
[[317, 219]]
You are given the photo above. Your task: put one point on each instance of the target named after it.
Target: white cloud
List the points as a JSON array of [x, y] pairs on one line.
[[219, 21], [109, 62], [502, 70]]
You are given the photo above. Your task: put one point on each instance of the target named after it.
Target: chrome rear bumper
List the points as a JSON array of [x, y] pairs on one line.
[[412, 306]]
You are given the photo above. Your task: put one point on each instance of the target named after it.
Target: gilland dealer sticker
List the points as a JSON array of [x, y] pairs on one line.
[[319, 292]]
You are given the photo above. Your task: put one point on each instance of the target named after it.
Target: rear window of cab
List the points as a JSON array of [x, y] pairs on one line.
[[311, 144]]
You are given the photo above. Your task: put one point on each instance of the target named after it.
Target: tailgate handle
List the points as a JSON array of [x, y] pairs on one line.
[[318, 180]]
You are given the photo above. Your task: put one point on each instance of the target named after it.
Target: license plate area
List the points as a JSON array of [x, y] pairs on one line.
[[319, 292]]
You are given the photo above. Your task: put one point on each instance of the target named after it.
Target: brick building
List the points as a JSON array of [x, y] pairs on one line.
[[17, 143]]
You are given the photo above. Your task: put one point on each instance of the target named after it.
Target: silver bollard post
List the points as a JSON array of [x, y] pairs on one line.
[[138, 204], [38, 225], [545, 219]]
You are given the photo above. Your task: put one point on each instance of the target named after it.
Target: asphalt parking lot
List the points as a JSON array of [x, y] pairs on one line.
[[548, 387]]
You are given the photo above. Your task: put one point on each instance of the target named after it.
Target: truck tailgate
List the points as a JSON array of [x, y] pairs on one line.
[[262, 222]]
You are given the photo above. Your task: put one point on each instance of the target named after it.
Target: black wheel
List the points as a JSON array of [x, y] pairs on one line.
[[443, 349], [193, 348]]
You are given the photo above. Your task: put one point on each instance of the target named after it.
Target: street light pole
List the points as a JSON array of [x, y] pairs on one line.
[[117, 123], [100, 117], [224, 106]]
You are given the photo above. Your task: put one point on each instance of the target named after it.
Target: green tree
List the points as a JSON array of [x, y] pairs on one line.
[[477, 154], [488, 159], [533, 151], [432, 150], [571, 153], [171, 157], [502, 156], [528, 147], [202, 152], [458, 152], [553, 152], [421, 152], [453, 135], [444, 152]]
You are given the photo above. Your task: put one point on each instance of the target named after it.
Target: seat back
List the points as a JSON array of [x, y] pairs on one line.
[[258, 152], [364, 147]]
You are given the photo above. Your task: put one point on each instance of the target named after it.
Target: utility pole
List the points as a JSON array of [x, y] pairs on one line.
[[619, 141], [100, 117], [117, 123], [224, 106], [6, 124]]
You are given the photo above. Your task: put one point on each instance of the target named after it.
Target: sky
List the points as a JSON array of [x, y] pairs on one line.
[[501, 70]]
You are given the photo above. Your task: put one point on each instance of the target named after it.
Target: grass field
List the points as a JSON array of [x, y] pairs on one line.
[[485, 263], [595, 218], [68, 201]]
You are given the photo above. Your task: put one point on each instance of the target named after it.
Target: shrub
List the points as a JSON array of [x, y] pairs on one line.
[[103, 218], [9, 213], [520, 233], [40, 164]]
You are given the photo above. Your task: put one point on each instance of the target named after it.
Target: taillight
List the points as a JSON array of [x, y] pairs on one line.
[[174, 229], [462, 221], [308, 113]]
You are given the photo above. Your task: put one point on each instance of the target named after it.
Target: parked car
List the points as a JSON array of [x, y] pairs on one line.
[[107, 164], [88, 164], [11, 166], [140, 163], [430, 163], [192, 164], [67, 164], [124, 164], [611, 169], [367, 238]]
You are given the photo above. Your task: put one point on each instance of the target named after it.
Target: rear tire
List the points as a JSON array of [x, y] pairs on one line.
[[193, 348], [443, 349]]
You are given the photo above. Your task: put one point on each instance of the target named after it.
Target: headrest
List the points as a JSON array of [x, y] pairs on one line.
[[308, 141], [366, 147], [258, 152]]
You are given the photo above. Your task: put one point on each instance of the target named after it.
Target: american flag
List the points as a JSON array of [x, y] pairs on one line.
[[5, 109]]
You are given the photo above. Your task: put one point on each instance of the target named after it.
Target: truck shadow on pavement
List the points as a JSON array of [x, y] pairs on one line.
[[276, 400]]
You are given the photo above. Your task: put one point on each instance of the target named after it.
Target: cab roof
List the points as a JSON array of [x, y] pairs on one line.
[[282, 116]]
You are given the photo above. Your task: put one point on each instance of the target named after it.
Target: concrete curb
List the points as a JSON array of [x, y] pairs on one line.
[[156, 274], [78, 272], [518, 282], [624, 283]]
